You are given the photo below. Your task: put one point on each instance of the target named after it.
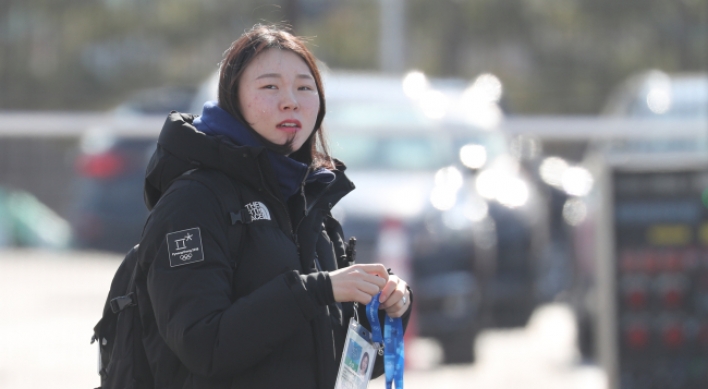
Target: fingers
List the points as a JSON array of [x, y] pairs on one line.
[[394, 302], [358, 283], [387, 291], [399, 312], [392, 297], [376, 269], [370, 273], [363, 281], [362, 297], [353, 290], [369, 288], [378, 281], [399, 308]]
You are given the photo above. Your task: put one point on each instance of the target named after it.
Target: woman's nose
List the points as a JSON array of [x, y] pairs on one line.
[[288, 101]]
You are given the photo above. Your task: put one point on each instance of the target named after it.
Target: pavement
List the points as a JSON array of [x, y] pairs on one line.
[[50, 301]]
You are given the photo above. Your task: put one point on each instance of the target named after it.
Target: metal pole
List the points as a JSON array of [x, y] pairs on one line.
[[392, 35], [606, 308]]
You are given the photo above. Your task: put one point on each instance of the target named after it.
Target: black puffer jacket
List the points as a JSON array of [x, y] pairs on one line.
[[256, 321]]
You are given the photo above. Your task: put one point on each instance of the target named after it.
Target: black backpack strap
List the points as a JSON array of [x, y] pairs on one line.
[[119, 303], [119, 298], [230, 201]]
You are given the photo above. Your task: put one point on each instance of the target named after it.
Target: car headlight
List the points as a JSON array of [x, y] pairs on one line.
[[473, 210], [448, 182], [507, 189], [577, 181], [473, 156], [574, 180]]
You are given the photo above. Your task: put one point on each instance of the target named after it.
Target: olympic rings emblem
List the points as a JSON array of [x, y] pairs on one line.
[[185, 257]]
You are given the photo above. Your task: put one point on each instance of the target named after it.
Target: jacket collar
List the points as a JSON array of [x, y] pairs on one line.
[[215, 121], [182, 147]]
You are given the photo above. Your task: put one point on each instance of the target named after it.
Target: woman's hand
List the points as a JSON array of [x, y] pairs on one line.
[[395, 298], [358, 282]]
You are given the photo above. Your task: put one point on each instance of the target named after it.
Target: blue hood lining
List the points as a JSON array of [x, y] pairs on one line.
[[290, 173]]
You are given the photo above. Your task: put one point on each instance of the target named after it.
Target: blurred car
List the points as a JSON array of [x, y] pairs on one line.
[[507, 202], [158, 101], [108, 212], [440, 196], [497, 184], [658, 95], [394, 151]]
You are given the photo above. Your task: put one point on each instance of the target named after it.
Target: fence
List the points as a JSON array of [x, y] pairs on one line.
[[38, 150]]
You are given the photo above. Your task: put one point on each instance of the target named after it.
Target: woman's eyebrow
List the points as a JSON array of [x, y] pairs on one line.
[[269, 75], [278, 75]]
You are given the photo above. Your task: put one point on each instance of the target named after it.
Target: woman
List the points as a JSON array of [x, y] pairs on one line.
[[275, 314], [364, 364]]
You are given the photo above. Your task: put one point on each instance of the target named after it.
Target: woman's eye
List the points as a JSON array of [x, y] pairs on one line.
[[269, 87], [306, 87]]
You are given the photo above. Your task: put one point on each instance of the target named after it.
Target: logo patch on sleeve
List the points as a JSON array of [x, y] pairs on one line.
[[185, 247]]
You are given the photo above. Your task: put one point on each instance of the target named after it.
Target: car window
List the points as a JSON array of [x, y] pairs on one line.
[[661, 96], [689, 98], [698, 144], [371, 151], [375, 114]]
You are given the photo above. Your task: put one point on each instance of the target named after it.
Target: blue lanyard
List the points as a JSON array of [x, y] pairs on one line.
[[392, 341]]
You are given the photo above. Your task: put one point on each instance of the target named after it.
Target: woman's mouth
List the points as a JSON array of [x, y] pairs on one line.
[[290, 126]]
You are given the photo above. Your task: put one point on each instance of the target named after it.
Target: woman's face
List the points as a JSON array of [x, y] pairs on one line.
[[364, 363], [279, 98]]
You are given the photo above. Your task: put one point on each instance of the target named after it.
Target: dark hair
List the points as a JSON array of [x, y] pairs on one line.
[[366, 355], [241, 53]]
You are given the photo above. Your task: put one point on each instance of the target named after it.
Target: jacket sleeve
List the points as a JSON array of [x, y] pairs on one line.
[[211, 332]]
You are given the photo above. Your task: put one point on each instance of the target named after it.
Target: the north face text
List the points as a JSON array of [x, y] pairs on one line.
[[258, 211]]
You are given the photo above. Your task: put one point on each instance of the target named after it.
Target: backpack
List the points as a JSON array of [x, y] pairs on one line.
[[123, 361]]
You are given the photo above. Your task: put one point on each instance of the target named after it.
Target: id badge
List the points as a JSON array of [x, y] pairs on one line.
[[358, 358]]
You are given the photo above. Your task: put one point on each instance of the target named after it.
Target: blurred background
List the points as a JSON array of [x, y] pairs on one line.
[[537, 169], [554, 56]]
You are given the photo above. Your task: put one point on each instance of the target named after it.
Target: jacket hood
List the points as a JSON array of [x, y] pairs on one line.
[[290, 173], [181, 147]]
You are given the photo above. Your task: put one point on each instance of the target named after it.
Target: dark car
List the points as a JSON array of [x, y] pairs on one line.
[[469, 232], [108, 212], [400, 156], [511, 280]]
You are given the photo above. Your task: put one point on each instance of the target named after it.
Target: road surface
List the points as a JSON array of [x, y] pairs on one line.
[[50, 301]]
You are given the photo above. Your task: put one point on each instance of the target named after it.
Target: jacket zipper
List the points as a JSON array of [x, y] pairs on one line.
[[304, 199], [314, 202], [282, 206], [302, 189]]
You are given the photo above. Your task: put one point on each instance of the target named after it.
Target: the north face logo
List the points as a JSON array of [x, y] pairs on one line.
[[258, 211]]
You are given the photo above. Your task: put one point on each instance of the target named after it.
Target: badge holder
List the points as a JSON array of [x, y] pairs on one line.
[[358, 357]]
